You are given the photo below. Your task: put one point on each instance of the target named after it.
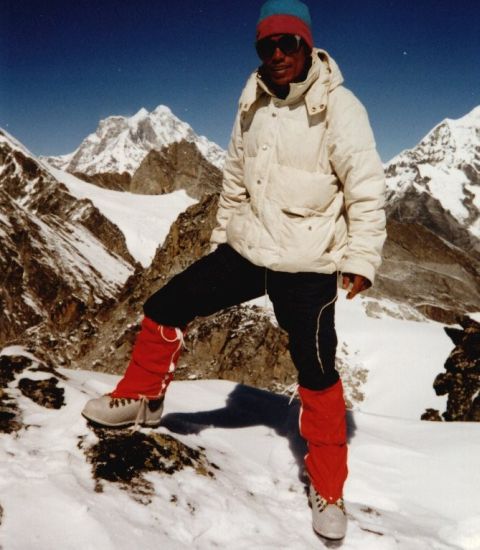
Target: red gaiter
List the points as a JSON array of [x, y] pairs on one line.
[[152, 364], [323, 425]]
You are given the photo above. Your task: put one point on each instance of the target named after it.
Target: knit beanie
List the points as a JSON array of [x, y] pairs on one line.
[[285, 17]]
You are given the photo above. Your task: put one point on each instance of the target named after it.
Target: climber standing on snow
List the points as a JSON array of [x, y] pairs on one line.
[[302, 201]]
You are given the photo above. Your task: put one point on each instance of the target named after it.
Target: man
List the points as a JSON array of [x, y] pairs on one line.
[[302, 199]]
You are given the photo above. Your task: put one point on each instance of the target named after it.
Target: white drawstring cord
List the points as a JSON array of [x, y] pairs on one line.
[[142, 412], [265, 293], [318, 328], [292, 388], [171, 368], [144, 400]]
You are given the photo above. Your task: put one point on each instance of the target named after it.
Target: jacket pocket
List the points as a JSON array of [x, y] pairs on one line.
[[307, 236], [302, 212]]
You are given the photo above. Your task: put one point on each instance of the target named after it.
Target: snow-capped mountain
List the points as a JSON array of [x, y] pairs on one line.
[[431, 258], [446, 166], [121, 143]]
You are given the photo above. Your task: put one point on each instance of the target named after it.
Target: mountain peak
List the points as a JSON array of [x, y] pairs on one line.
[[470, 119], [140, 115], [446, 166], [120, 143], [162, 110]]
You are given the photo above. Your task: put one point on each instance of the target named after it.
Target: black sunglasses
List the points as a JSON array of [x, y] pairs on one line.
[[288, 44]]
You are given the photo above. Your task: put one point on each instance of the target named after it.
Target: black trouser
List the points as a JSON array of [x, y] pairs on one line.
[[303, 304]]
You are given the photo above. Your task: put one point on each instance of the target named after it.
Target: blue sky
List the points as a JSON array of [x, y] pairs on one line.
[[65, 65]]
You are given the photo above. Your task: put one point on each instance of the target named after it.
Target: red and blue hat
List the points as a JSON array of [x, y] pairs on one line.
[[285, 17]]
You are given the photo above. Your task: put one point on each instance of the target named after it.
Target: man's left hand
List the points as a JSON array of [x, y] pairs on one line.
[[355, 284]]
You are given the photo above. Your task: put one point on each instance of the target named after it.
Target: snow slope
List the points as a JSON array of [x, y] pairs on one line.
[[145, 220], [413, 485], [402, 357]]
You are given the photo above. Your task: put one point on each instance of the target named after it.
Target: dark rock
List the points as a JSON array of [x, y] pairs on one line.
[[108, 350], [461, 379], [123, 457], [239, 344], [10, 367], [421, 209], [43, 392], [9, 415], [432, 415], [473, 414]]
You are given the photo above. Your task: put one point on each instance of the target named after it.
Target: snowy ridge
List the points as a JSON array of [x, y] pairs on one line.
[[446, 165], [121, 143], [13, 144]]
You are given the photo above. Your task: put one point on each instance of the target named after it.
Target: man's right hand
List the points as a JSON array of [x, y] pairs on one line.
[[356, 284]]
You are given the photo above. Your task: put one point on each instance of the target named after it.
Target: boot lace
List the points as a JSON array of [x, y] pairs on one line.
[[142, 408], [119, 401], [142, 412], [321, 503]]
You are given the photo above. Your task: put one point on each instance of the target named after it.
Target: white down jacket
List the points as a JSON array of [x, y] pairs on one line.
[[303, 186]]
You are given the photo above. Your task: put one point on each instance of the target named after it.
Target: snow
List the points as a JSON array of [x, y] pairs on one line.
[[407, 489], [137, 117], [464, 130], [448, 188], [402, 358], [77, 251], [475, 316], [145, 220]]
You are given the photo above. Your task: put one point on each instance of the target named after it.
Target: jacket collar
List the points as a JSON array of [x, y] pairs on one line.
[[324, 76]]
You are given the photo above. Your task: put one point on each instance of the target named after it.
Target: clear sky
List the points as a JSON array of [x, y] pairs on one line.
[[66, 64]]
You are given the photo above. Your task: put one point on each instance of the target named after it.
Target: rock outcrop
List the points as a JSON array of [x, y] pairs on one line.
[[180, 165], [461, 379]]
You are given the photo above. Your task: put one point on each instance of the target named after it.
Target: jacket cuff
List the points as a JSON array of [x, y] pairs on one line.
[[358, 267]]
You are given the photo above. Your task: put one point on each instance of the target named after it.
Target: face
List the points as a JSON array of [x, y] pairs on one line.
[[283, 68]]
